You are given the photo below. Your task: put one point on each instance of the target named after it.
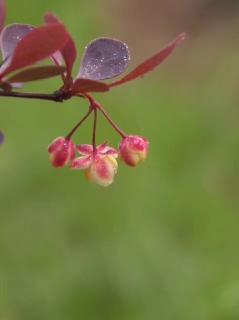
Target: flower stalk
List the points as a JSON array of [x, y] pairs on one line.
[[76, 127], [94, 132]]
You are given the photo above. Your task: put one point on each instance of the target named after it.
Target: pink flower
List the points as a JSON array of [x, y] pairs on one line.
[[100, 165], [62, 152], [134, 150]]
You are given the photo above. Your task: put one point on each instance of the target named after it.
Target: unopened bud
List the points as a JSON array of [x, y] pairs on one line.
[[62, 151], [133, 150]]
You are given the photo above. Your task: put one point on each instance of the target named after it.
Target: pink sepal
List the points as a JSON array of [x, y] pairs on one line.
[[103, 149], [56, 144], [81, 163], [84, 149]]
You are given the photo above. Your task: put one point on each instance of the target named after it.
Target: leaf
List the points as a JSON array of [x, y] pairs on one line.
[[37, 45], [3, 12], [37, 73], [151, 63], [87, 85], [104, 58], [68, 52], [11, 35]]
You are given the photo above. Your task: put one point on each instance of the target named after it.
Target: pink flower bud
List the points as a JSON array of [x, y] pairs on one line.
[[133, 150], [62, 151], [102, 170]]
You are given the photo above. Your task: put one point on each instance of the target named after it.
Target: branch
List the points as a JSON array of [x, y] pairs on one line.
[[57, 96]]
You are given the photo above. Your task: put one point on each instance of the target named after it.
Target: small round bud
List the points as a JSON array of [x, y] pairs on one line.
[[133, 150], [62, 152]]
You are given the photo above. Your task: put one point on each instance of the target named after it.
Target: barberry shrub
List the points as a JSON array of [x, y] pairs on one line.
[[24, 45]]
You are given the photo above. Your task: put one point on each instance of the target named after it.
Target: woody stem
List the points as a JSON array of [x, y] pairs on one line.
[[42, 96]]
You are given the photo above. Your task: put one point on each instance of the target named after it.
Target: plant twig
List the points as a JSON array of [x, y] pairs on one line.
[[57, 97]]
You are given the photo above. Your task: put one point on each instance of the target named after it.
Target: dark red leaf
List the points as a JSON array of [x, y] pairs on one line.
[[87, 85], [68, 52], [37, 73], [151, 63], [37, 45], [3, 12]]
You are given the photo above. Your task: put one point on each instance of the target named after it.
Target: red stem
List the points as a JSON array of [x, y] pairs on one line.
[[96, 105], [112, 123], [94, 131], [70, 134]]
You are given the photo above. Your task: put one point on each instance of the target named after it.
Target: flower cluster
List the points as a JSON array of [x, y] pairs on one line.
[[99, 163], [24, 45]]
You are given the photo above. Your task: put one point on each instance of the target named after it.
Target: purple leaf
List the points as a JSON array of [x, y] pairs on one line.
[[11, 36], [104, 58], [36, 46]]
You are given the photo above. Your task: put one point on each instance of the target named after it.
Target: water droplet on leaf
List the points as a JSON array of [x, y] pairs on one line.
[[104, 58]]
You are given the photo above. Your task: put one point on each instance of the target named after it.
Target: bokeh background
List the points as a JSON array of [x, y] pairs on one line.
[[162, 242]]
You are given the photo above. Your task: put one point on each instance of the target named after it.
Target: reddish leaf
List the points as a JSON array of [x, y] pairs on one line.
[[37, 45], [68, 52], [37, 73], [87, 85], [3, 11], [151, 63]]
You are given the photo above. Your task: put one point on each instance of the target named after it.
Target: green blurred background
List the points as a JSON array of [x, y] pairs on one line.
[[162, 242]]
